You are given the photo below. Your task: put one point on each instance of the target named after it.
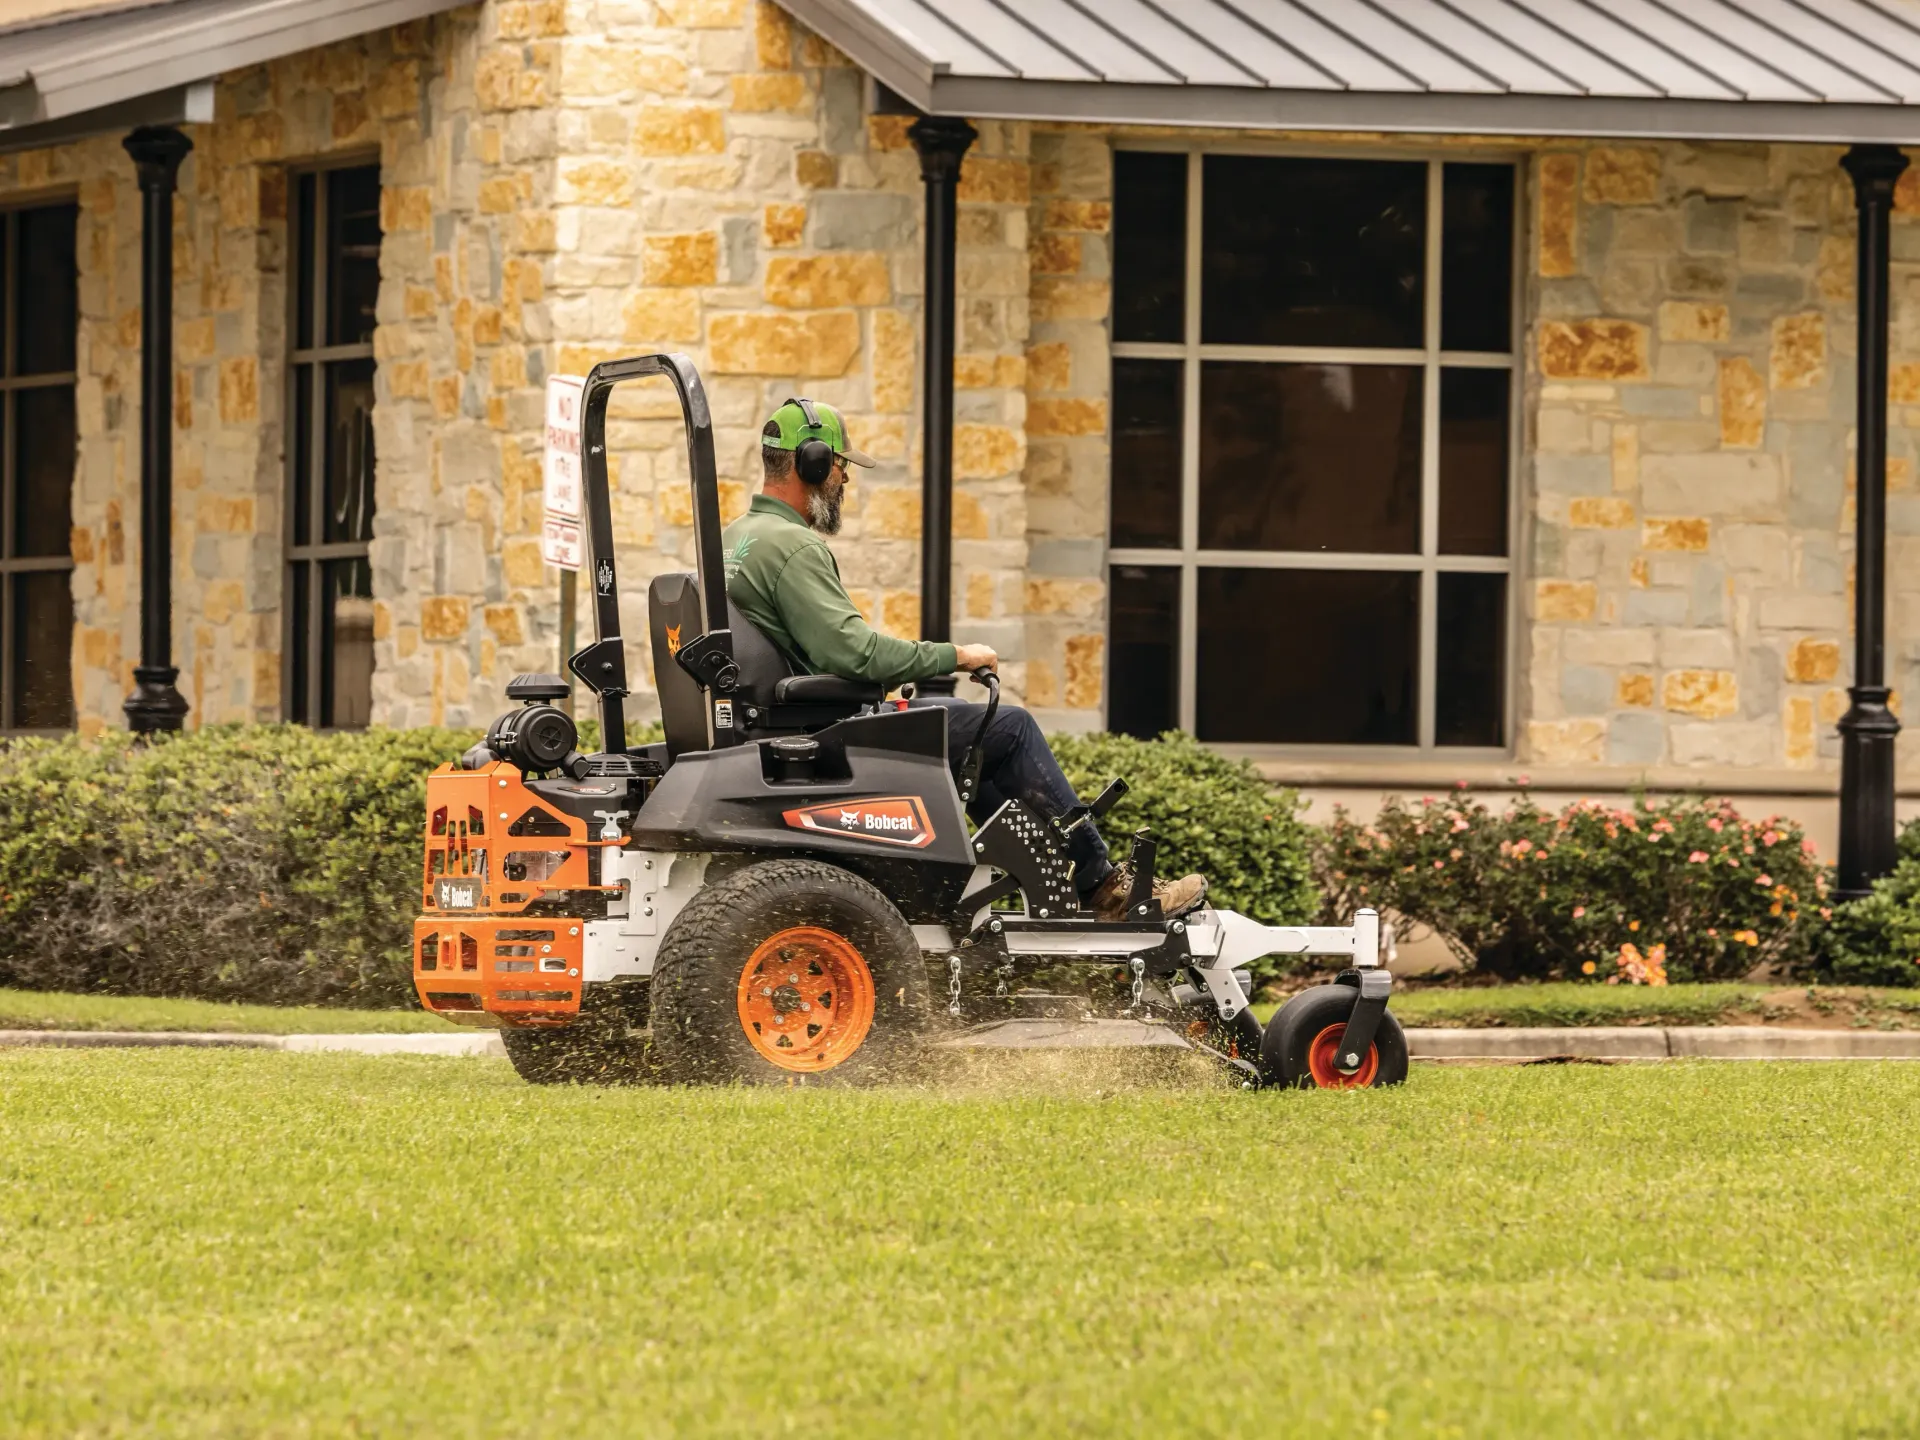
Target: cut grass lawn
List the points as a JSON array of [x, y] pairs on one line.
[[242, 1243], [55, 1010]]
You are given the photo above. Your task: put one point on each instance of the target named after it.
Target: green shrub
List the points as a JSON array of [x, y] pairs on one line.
[[258, 863], [1876, 940], [1211, 815], [1685, 888]]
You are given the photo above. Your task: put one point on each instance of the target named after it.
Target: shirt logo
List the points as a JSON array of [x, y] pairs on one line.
[[889, 820]]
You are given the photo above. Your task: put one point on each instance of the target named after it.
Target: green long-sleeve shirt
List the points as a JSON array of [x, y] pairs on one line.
[[785, 580]]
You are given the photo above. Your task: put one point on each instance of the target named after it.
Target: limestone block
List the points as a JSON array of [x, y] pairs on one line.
[[1675, 532], [1610, 512], [821, 281], [1726, 486], [1790, 611], [760, 93], [1586, 690], [1576, 741], [863, 220], [1744, 743], [1798, 359], [1654, 607], [1608, 645], [818, 344], [1563, 601], [660, 315], [1633, 689], [688, 259], [1055, 298], [1743, 403], [1800, 739], [1559, 212], [772, 36], [1636, 740], [1085, 657], [1811, 660], [1066, 417], [680, 130], [1694, 321], [1622, 176], [1706, 694], [1596, 349], [704, 14], [1698, 649], [895, 337], [444, 617], [983, 452], [783, 225]]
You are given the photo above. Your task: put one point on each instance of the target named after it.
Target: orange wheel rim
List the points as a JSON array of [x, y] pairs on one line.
[[1323, 1057], [806, 999]]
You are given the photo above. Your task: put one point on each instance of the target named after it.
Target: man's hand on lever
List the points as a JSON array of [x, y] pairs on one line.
[[976, 657]]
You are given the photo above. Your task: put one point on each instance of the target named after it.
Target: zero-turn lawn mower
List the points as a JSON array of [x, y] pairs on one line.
[[775, 892]]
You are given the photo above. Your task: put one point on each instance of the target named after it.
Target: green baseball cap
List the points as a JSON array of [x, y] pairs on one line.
[[788, 426]]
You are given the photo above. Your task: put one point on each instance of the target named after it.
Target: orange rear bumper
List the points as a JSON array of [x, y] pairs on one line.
[[499, 970]]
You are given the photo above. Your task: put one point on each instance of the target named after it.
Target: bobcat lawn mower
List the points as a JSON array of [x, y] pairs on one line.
[[774, 893]]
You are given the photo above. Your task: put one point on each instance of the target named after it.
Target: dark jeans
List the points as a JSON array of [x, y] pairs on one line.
[[1017, 765]]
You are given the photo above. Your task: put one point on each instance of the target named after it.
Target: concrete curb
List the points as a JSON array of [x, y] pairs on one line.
[[472, 1042], [1635, 1042]]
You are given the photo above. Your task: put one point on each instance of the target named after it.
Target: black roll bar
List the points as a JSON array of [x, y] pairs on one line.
[[602, 666]]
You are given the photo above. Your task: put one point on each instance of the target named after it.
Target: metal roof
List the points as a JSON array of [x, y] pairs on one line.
[[89, 71], [1810, 70]]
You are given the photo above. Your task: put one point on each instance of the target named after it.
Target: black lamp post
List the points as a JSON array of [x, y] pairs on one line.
[[942, 141], [1868, 728], [155, 704]]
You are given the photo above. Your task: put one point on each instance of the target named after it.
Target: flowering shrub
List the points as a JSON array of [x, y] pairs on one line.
[[1682, 887]]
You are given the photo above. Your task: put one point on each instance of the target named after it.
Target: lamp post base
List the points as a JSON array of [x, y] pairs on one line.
[[155, 704], [1867, 733]]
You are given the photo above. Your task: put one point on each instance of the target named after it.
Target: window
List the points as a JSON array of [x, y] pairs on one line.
[[40, 315], [1313, 390], [329, 587]]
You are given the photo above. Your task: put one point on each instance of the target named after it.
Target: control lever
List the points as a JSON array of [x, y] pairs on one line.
[[1080, 814], [969, 779], [1140, 902]]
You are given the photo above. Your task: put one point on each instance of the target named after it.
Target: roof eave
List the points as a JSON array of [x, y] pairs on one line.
[[1426, 113]]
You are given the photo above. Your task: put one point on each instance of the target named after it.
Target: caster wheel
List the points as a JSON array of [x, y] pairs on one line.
[[1301, 1046]]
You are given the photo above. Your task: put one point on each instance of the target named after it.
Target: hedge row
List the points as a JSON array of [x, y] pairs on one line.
[[271, 863]]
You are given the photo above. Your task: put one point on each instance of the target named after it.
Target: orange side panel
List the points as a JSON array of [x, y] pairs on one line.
[[492, 970], [468, 845]]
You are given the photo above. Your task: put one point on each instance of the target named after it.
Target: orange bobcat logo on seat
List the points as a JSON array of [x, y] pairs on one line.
[[673, 639], [890, 820]]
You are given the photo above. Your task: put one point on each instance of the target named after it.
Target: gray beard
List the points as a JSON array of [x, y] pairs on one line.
[[823, 509]]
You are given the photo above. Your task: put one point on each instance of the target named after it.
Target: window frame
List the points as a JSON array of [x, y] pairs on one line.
[[306, 564], [1189, 558], [10, 385]]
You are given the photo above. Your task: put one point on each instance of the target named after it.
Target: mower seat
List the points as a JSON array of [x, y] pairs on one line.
[[774, 697]]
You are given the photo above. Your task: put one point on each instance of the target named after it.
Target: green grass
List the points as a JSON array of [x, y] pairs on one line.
[[54, 1010], [238, 1243]]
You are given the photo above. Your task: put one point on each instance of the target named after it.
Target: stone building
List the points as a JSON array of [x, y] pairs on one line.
[[1392, 445]]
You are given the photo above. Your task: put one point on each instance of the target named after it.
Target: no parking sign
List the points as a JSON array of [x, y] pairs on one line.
[[560, 541]]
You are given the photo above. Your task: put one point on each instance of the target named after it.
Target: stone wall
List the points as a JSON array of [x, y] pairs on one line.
[[402, 97], [1691, 427]]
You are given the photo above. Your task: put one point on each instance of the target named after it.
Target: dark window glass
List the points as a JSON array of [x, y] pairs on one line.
[[46, 282], [1149, 246], [300, 582], [346, 666], [1473, 462], [1143, 673], [43, 461], [1471, 671], [353, 254], [1308, 657], [301, 460], [1312, 252], [306, 191], [42, 650], [1146, 452], [330, 465], [1476, 258], [1310, 457], [349, 451]]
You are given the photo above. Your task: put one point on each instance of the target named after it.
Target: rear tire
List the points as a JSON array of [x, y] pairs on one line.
[[607, 1044], [788, 972], [1302, 1039]]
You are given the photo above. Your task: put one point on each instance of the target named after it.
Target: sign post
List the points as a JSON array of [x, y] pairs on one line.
[[560, 535]]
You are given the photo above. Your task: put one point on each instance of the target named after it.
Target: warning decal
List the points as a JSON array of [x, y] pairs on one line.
[[891, 820]]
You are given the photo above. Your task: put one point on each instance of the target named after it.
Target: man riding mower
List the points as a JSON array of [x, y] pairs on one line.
[[763, 896]]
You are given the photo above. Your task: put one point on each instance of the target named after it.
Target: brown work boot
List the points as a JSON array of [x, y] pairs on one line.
[[1176, 897]]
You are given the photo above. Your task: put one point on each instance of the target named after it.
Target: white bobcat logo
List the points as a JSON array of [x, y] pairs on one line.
[[850, 819]]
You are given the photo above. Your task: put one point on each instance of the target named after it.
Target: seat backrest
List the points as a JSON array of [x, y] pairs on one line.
[[673, 616]]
